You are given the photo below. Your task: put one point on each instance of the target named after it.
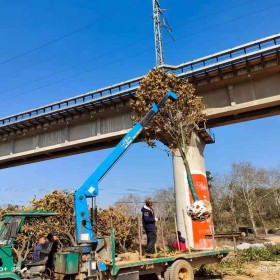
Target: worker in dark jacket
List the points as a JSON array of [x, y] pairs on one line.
[[52, 238], [149, 223]]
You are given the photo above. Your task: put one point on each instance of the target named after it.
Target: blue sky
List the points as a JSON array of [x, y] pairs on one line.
[[51, 50]]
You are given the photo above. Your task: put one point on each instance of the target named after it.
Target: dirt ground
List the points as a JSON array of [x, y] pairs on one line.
[[259, 271], [255, 271], [273, 238], [263, 270]]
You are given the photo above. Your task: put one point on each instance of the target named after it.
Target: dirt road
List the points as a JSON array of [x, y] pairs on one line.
[[255, 271]]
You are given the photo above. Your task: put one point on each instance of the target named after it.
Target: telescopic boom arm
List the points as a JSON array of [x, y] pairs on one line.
[[84, 230]]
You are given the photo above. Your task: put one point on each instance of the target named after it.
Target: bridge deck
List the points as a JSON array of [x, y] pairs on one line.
[[198, 71]]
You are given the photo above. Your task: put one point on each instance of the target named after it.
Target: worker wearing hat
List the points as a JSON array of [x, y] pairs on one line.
[[149, 224]]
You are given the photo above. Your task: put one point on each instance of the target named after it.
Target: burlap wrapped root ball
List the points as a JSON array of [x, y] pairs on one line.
[[200, 210]]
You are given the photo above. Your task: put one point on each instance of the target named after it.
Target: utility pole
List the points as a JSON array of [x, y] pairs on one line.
[[158, 23], [158, 35]]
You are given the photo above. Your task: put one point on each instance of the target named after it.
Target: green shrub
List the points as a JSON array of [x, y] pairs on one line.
[[269, 253], [236, 265]]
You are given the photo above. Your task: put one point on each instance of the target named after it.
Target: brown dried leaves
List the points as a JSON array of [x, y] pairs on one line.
[[185, 113]]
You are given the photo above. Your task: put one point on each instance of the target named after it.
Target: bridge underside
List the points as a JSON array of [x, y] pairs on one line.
[[74, 134], [242, 98], [235, 93]]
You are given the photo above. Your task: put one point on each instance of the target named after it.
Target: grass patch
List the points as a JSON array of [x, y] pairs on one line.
[[236, 265]]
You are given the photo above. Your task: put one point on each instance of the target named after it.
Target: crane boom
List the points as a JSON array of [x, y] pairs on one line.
[[84, 230]]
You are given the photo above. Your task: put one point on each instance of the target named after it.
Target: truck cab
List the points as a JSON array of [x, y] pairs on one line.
[[9, 228]]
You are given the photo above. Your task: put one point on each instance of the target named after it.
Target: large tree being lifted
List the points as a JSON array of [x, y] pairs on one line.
[[175, 124]]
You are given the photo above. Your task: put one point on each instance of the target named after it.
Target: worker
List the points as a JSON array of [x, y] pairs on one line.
[[52, 238], [149, 224], [38, 248], [180, 243]]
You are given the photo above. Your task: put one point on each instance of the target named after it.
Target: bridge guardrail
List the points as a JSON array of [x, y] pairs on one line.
[[227, 55]]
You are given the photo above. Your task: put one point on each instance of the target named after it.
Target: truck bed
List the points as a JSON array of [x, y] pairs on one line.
[[195, 258]]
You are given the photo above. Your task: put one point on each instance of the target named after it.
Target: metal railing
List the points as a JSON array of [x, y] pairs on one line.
[[111, 91], [235, 55], [242, 52]]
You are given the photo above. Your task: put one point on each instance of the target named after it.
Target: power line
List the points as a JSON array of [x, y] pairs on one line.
[[143, 51], [219, 12], [191, 21], [44, 61], [64, 36], [71, 67], [75, 75], [229, 21]]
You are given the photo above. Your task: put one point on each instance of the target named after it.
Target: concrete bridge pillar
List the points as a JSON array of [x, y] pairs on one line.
[[196, 230]]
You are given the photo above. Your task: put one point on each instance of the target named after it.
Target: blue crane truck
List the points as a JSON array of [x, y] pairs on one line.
[[93, 257]]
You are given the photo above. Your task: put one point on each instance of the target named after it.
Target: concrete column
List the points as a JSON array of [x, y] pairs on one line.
[[182, 196], [196, 230]]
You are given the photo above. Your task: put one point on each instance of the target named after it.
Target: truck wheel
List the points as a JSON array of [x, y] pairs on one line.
[[167, 273], [181, 270]]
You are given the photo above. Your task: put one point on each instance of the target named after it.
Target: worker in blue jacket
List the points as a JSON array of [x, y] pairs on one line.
[[149, 224], [38, 248]]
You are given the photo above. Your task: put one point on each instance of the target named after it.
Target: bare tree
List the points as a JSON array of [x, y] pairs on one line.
[[164, 202], [274, 182], [219, 192], [247, 180], [131, 204], [176, 122]]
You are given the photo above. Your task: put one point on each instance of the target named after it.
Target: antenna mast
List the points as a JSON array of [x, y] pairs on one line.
[[157, 15]]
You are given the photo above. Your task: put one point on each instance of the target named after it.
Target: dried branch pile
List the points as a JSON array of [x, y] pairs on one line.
[[125, 227]]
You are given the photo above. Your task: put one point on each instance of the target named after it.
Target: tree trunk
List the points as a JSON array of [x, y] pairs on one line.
[[251, 217], [277, 200], [262, 221], [220, 224], [234, 219], [247, 200], [232, 209], [71, 238]]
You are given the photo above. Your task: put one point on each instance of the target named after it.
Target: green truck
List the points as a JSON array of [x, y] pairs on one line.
[[9, 228], [72, 264], [93, 257]]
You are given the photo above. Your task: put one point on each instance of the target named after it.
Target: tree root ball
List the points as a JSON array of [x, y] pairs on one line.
[[200, 210]]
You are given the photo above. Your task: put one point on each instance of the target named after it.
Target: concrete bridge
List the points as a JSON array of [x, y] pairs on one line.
[[238, 84]]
